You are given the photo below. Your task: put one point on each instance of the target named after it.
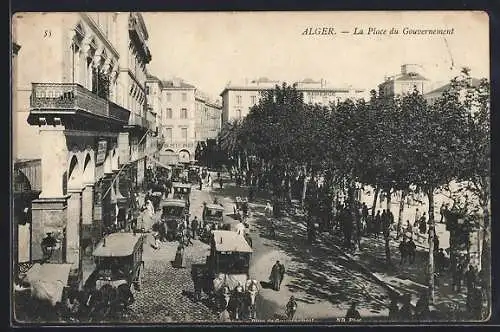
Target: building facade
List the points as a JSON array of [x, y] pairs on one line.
[[405, 82], [237, 99], [81, 115], [208, 117]]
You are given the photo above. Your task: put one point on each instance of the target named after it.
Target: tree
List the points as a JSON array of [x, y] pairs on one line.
[[230, 140], [471, 98], [432, 139]]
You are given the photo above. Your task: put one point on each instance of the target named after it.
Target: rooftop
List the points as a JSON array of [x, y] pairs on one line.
[[474, 82]]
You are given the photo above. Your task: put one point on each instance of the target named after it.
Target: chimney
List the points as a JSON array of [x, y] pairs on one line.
[[176, 81]]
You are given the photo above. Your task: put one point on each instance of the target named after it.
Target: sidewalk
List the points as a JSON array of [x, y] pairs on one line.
[[406, 278]]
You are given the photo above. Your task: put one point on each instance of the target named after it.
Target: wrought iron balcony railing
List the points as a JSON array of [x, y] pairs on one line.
[[71, 97]]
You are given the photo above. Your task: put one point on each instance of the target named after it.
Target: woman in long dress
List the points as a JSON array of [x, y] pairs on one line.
[[180, 260]]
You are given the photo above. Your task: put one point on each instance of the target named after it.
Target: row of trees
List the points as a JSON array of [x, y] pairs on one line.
[[391, 143]]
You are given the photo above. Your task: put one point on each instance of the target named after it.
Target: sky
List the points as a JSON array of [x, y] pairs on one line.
[[210, 49]]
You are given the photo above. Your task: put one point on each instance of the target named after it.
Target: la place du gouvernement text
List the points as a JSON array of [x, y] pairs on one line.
[[324, 31]]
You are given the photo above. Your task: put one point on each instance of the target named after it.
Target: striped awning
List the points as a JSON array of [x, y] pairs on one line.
[[27, 175]]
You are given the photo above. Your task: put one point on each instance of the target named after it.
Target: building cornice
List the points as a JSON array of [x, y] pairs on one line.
[[99, 34]]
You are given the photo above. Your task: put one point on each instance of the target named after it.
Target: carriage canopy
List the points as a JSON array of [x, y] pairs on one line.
[[228, 241], [118, 245], [47, 281]]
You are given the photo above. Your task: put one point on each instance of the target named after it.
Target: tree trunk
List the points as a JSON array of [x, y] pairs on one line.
[[404, 193], [430, 195], [352, 206], [304, 187], [246, 161], [375, 197], [387, 233], [239, 162]]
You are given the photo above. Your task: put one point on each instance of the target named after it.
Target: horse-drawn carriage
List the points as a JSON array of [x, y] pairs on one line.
[[241, 208], [182, 191], [118, 261], [212, 217], [228, 268], [174, 216]]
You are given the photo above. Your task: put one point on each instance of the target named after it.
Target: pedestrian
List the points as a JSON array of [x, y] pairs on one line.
[[150, 208], [458, 272], [408, 230], [282, 272], [440, 260], [403, 250], [221, 181], [423, 224], [406, 312], [291, 308], [194, 226], [470, 279], [393, 310], [418, 215], [180, 261], [399, 229], [353, 314], [275, 276], [411, 250], [155, 233], [268, 211], [378, 222], [200, 179]]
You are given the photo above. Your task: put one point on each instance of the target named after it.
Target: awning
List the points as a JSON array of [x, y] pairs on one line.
[[47, 281]]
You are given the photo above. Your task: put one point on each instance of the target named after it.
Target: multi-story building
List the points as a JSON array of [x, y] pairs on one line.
[[185, 117], [208, 117], [237, 99], [405, 82], [80, 114]]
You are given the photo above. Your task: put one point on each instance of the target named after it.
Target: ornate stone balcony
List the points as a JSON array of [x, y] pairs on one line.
[[71, 98]]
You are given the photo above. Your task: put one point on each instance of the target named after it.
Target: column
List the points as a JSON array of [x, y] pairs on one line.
[[49, 210], [88, 213], [73, 228], [88, 204]]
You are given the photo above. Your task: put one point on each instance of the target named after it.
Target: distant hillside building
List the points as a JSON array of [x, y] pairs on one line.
[[237, 99], [405, 82], [431, 96]]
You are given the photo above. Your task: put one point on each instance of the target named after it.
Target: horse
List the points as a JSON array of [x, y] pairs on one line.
[[224, 297], [252, 289]]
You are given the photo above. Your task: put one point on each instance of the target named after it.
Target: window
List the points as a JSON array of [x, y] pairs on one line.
[[238, 114], [147, 90], [184, 113], [184, 96], [169, 96], [169, 113], [184, 133], [253, 100], [168, 134], [238, 100]]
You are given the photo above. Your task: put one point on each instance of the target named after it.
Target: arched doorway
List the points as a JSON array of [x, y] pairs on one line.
[[74, 174], [168, 157], [184, 156]]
